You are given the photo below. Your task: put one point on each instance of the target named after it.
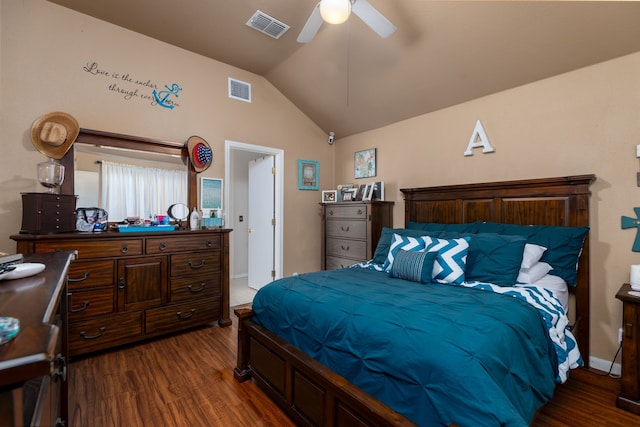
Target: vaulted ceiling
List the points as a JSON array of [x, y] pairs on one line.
[[349, 80]]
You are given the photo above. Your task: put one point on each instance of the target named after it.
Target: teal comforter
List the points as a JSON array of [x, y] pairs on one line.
[[438, 354]]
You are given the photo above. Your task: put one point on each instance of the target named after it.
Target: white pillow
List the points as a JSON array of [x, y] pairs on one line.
[[533, 274], [558, 286], [532, 254]]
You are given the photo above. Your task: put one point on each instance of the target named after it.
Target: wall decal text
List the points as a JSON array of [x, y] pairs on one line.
[[130, 87]]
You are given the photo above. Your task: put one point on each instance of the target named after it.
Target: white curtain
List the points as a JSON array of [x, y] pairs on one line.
[[129, 191]]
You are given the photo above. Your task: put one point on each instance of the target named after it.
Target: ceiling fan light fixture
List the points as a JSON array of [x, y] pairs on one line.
[[335, 11]]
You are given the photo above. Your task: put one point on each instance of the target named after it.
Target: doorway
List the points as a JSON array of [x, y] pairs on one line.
[[238, 155]]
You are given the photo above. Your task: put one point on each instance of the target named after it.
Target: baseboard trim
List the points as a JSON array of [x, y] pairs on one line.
[[605, 365]]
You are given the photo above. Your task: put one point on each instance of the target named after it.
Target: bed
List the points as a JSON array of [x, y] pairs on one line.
[[422, 354]]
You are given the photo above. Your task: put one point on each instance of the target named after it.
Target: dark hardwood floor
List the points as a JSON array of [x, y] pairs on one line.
[[187, 380]]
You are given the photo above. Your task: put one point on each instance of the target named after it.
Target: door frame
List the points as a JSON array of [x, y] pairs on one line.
[[230, 146]]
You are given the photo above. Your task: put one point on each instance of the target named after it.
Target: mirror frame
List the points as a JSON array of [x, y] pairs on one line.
[[109, 139]]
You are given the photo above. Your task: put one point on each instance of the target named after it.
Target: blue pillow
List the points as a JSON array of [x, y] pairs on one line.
[[402, 243], [413, 265], [492, 258], [450, 263], [382, 250], [564, 244], [471, 227]]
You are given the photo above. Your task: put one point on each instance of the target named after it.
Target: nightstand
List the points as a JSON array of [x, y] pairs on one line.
[[629, 396]]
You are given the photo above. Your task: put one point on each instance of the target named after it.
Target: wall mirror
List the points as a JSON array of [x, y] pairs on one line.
[[82, 161]]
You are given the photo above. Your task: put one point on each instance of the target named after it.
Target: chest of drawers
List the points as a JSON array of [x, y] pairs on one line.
[[350, 231], [48, 213], [128, 287]]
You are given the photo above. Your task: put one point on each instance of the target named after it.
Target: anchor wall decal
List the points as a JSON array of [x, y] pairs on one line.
[[627, 222]]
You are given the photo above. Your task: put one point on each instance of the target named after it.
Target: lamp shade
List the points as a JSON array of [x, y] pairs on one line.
[[335, 11]]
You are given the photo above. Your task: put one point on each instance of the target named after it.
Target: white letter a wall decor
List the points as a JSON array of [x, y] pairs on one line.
[[479, 139]]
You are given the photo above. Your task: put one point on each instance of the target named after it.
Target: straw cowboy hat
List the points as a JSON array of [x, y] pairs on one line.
[[200, 153], [53, 134]]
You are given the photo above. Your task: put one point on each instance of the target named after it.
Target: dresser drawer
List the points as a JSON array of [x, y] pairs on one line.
[[85, 304], [347, 248], [347, 228], [104, 332], [161, 245], [89, 248], [190, 288], [181, 316], [200, 264], [90, 274], [334, 263], [355, 212]]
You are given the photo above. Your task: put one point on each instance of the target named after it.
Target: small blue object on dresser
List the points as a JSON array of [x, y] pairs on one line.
[[125, 228], [9, 328]]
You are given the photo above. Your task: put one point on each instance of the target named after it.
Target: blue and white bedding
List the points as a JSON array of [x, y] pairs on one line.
[[440, 352]]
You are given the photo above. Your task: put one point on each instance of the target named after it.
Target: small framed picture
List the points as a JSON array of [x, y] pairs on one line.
[[368, 192], [365, 163], [308, 175], [329, 196], [347, 196], [378, 191], [210, 194]]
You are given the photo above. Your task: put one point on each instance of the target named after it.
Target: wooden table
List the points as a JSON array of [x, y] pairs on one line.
[[33, 369]]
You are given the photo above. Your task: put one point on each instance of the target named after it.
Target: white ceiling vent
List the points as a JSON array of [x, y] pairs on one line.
[[268, 25], [239, 90]]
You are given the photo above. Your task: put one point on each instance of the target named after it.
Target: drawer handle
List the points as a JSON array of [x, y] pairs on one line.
[[185, 316], [331, 212], [121, 283], [192, 265], [85, 305], [124, 249], [359, 211], [196, 290], [60, 370], [163, 246], [343, 228], [209, 243], [344, 249], [84, 335], [81, 279]]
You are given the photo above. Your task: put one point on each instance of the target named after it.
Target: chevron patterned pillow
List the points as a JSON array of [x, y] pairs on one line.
[[406, 243], [451, 262]]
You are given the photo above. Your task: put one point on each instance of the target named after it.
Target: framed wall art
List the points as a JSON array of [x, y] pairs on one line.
[[365, 163], [308, 175], [210, 194]]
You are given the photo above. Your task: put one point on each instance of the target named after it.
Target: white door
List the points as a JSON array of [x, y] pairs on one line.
[[261, 226]]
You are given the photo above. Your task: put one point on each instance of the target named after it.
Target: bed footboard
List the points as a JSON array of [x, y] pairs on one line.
[[310, 393]]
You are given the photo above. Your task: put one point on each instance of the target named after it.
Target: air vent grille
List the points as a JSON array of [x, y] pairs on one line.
[[267, 25], [239, 90]]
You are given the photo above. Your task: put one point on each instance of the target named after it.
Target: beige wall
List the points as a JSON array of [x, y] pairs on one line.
[[43, 52], [583, 122]]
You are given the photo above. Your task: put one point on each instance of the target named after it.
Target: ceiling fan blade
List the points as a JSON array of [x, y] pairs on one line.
[[312, 26], [373, 18]]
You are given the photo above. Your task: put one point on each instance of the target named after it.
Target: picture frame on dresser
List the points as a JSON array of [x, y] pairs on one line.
[[329, 196]]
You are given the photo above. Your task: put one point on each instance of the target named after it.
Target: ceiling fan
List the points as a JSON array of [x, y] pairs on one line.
[[337, 12]]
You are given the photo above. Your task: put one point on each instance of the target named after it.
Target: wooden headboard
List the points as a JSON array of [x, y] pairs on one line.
[[548, 201]]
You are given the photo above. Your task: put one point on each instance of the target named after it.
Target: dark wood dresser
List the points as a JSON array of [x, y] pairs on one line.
[[351, 230], [126, 287], [629, 396], [33, 368]]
